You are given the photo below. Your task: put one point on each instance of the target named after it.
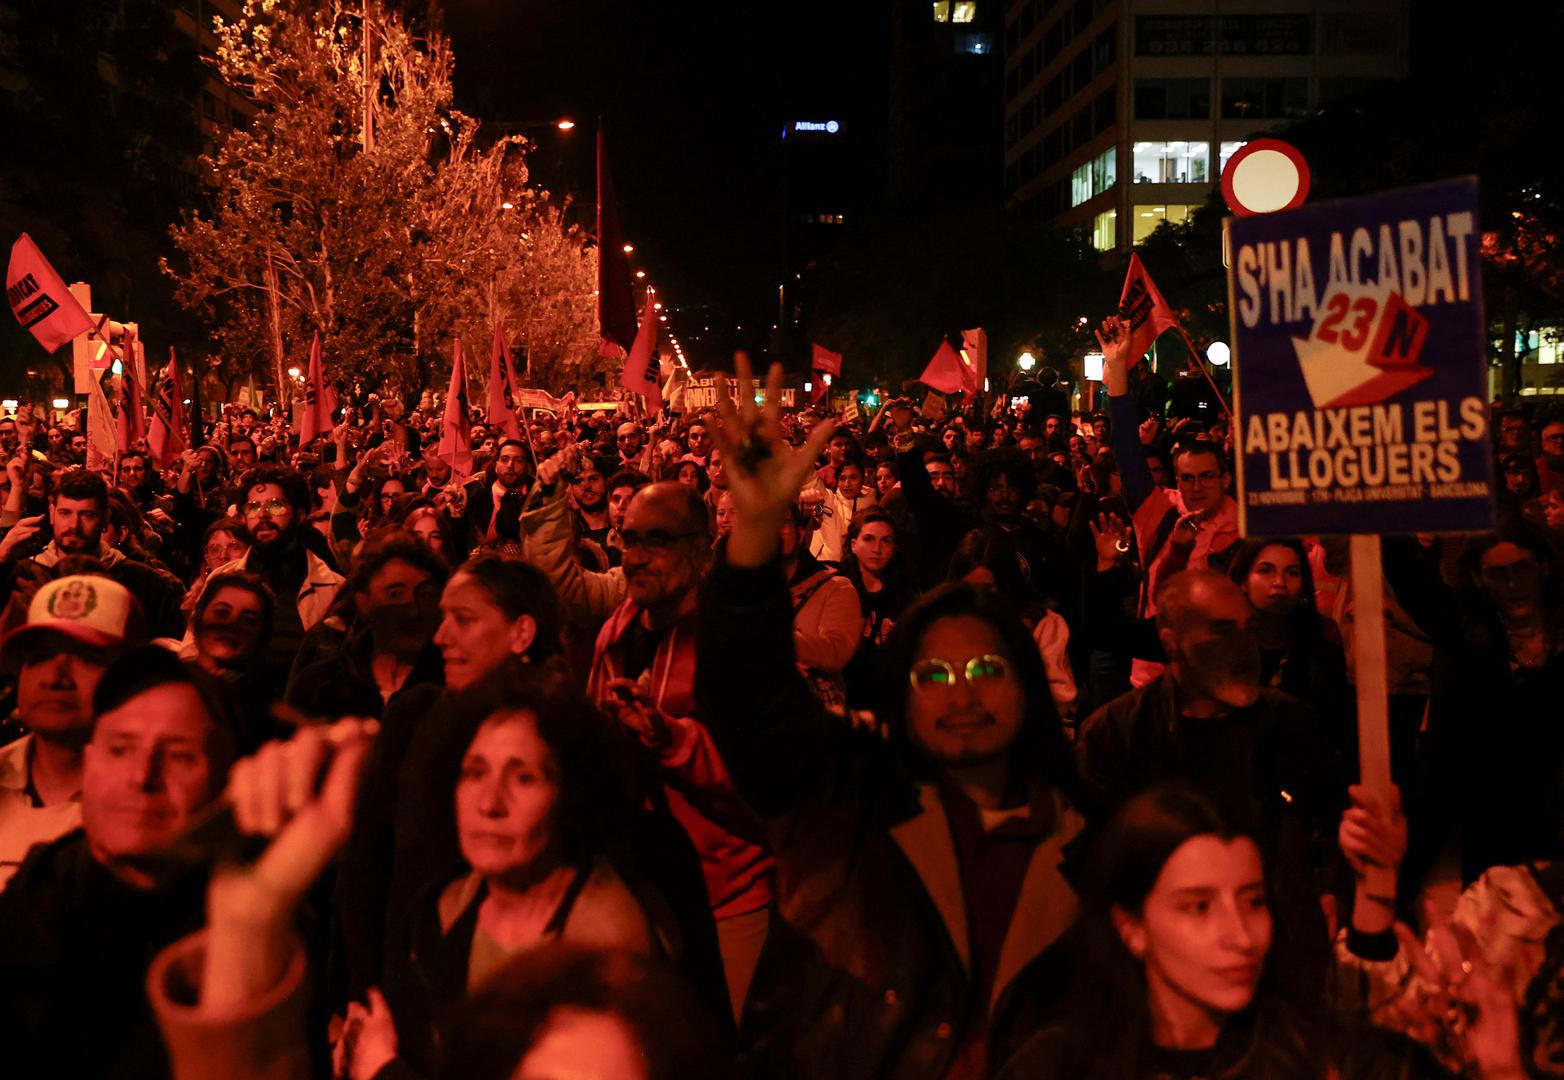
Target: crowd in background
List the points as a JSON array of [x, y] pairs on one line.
[[751, 742]]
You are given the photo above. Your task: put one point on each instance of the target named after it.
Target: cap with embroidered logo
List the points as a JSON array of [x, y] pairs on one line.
[[93, 610]]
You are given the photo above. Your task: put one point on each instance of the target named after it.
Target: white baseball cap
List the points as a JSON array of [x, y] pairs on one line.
[[93, 610]]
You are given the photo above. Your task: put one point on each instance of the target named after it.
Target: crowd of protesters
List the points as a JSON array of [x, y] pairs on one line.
[[752, 743]]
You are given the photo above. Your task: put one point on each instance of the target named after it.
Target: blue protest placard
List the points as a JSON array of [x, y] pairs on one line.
[[1359, 366]]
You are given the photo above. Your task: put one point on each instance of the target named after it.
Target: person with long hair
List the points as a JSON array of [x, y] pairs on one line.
[[1295, 653], [919, 892], [1177, 953], [533, 784], [877, 569]]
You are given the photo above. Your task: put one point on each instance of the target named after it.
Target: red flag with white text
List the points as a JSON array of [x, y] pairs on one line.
[[456, 432], [641, 372], [502, 387], [39, 299], [1142, 306], [166, 439]]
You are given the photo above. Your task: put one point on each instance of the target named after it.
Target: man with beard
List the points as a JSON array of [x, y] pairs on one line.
[[75, 627], [436, 471], [273, 504], [1206, 721], [494, 499], [78, 512], [630, 440], [589, 495], [395, 588]]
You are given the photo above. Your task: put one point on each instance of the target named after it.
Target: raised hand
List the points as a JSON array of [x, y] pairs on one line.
[[764, 473], [274, 793], [1114, 341], [1111, 537]]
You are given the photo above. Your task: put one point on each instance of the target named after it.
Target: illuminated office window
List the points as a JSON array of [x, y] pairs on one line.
[[942, 10], [1148, 217], [963, 11], [1094, 177], [1172, 162], [1228, 149], [1105, 230]]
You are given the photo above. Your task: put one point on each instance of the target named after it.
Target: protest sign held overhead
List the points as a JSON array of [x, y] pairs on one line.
[[1359, 366]]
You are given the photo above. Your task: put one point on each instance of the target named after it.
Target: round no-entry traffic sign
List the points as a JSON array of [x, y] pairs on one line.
[[1263, 176]]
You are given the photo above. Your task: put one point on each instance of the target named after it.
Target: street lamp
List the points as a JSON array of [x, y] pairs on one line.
[[629, 248], [566, 124], [1026, 361], [1218, 353]]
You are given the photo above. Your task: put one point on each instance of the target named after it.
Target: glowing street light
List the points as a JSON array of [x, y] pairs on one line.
[[566, 124], [62, 403], [1026, 361], [629, 248], [507, 205], [1218, 353], [293, 373]]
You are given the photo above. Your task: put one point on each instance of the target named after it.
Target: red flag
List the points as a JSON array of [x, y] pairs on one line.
[[1142, 306], [319, 402], [640, 373], [946, 373], [502, 387], [39, 299], [455, 434], [615, 298], [823, 359], [974, 353], [167, 437]]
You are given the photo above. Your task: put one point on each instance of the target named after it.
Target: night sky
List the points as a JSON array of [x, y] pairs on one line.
[[693, 97]]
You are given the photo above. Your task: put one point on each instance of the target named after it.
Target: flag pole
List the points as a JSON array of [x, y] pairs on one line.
[[1200, 365]]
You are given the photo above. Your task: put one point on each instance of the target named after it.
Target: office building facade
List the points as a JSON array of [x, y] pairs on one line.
[[1120, 114]]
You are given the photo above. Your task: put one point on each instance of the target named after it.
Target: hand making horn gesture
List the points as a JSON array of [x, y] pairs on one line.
[[764, 473]]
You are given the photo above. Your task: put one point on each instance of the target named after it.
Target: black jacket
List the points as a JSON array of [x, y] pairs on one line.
[[75, 945]]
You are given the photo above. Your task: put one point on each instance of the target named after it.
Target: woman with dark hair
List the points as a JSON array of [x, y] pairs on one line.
[[424, 520], [1493, 749], [688, 473], [1175, 976], [878, 571], [495, 614], [533, 785], [1295, 654]]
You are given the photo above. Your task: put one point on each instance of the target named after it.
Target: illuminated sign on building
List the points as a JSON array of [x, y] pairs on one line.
[[830, 127]]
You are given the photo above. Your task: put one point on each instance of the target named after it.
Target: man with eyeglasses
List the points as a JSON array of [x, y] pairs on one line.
[[918, 857], [273, 505], [1192, 525], [643, 670]]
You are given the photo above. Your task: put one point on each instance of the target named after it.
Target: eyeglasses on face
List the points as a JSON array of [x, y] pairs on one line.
[[655, 541], [933, 673], [271, 507], [1207, 477]]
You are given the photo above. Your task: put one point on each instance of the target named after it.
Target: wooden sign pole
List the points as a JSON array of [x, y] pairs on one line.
[[1373, 686]]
